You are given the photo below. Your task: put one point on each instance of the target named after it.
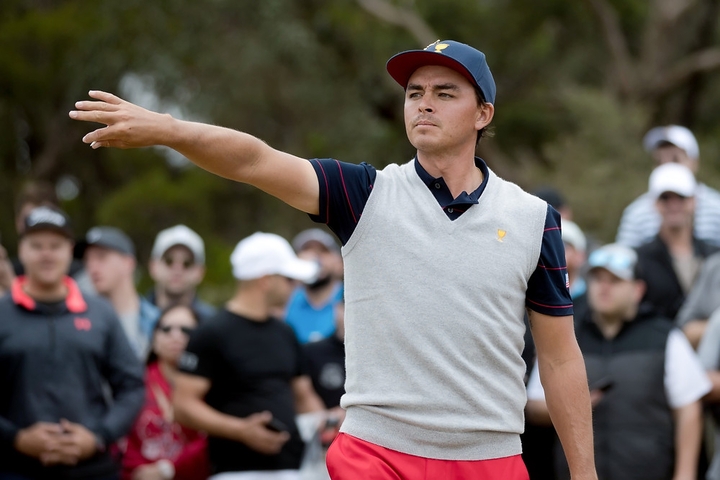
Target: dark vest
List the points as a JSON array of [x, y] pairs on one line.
[[632, 425]]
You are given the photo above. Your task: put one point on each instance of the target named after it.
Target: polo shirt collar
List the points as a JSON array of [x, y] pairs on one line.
[[442, 194]]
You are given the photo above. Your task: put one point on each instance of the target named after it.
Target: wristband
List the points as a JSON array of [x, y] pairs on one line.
[[167, 469]]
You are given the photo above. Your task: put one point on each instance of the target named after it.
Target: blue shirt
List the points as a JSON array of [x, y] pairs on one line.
[[346, 187], [312, 323]]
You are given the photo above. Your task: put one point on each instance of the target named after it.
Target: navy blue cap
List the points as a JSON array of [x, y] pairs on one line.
[[462, 58], [48, 218]]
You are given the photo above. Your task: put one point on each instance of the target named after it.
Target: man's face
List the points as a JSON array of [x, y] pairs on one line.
[[441, 110], [330, 261], [612, 296], [108, 268], [574, 258], [676, 211], [46, 257], [669, 153], [279, 290], [176, 271]]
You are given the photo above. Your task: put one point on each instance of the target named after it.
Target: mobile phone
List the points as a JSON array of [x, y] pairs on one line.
[[604, 384], [276, 425]]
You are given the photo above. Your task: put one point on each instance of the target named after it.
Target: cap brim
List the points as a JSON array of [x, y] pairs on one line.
[[302, 270], [621, 274], [48, 228], [403, 65]]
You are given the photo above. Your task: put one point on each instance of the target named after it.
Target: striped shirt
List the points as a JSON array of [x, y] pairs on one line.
[[640, 220]]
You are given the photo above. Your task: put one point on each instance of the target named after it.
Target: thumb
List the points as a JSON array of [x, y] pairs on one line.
[[66, 425], [263, 417]]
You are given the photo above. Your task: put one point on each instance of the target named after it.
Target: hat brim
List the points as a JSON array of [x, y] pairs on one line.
[[302, 270], [403, 65], [621, 274], [47, 227]]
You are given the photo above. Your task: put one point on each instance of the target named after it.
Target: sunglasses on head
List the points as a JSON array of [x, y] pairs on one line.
[[169, 328], [186, 264]]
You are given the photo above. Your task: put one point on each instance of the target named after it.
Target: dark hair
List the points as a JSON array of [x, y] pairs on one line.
[[152, 356], [486, 131]]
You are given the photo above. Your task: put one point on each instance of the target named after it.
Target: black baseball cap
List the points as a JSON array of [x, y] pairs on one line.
[[106, 237], [47, 218], [462, 58]]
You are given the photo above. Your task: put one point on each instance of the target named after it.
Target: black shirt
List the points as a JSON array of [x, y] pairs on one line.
[[251, 366], [326, 365]]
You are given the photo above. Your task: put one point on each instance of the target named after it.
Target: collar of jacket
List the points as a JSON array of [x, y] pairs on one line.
[[74, 299]]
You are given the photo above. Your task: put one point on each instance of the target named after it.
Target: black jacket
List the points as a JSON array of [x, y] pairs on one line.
[[64, 361], [664, 292]]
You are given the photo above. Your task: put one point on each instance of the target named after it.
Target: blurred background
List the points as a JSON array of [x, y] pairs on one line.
[[579, 83]]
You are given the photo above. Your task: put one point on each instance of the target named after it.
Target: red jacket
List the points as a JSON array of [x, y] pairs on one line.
[[153, 438]]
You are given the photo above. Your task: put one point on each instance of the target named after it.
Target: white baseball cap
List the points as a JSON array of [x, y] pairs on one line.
[[615, 258], [179, 235], [263, 254], [572, 235], [679, 136], [672, 177]]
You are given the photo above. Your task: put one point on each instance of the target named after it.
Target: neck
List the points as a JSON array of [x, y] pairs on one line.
[[679, 240], [45, 292], [249, 303], [168, 370], [124, 299], [458, 171], [164, 299], [318, 296], [611, 324]]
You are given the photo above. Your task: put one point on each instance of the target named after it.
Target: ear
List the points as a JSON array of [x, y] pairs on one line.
[[485, 114], [640, 287], [153, 268]]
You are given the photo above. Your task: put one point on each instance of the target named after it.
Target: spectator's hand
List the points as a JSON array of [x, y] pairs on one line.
[[257, 436], [77, 439], [128, 125], [38, 439], [148, 472]]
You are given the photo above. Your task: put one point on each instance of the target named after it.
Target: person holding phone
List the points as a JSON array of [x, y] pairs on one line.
[[645, 380], [242, 377]]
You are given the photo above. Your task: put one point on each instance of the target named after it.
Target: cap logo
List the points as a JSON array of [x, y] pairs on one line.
[[439, 47], [500, 235], [45, 215], [94, 235]]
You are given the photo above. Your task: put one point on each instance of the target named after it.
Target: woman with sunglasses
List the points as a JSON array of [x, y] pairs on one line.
[[159, 448]]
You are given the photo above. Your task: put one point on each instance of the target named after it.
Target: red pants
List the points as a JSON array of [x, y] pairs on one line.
[[350, 458]]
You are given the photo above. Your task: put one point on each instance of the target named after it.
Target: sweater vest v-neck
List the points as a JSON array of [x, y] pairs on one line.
[[434, 318]]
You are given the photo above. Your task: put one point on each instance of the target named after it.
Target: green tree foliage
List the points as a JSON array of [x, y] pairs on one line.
[[578, 84]]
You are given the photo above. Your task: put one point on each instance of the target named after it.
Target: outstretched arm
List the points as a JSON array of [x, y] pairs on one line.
[[222, 151], [562, 372]]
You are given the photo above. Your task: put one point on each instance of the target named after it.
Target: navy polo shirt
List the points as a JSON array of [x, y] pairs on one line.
[[346, 187]]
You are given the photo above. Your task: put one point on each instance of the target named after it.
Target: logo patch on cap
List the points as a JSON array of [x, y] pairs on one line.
[[439, 47]]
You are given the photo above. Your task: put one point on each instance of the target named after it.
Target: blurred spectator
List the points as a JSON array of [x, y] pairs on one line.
[[177, 265], [671, 261], [702, 301], [59, 351], [159, 448], [645, 379], [109, 257], [310, 311], [326, 361], [7, 274], [242, 378], [709, 353], [640, 220], [575, 256], [556, 200]]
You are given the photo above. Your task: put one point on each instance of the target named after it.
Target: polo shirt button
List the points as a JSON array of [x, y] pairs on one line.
[[437, 185], [450, 210]]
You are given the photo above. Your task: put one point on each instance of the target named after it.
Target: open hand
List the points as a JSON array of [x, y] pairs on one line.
[[257, 436]]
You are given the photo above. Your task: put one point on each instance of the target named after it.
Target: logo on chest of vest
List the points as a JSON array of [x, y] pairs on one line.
[[82, 324], [501, 235]]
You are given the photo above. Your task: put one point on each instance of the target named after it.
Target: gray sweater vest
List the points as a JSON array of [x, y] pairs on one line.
[[434, 318]]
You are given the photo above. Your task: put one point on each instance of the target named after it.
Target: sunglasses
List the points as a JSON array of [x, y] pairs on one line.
[[168, 328], [186, 264]]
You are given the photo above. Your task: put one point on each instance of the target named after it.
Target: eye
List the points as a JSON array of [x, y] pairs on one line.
[[414, 95]]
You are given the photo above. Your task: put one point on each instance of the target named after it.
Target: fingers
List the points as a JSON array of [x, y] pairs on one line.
[[105, 97]]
